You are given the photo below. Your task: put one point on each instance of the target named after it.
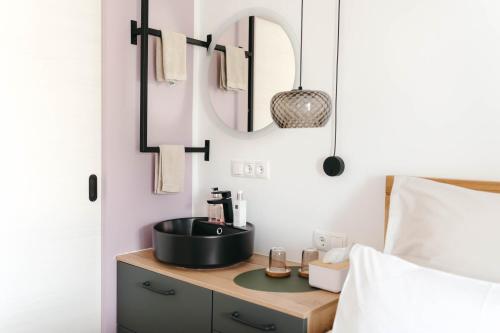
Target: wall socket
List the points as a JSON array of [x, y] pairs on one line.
[[251, 169], [327, 240], [262, 169]]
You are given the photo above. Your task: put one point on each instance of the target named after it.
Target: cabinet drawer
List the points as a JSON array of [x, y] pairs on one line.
[[152, 303], [234, 315], [122, 329]]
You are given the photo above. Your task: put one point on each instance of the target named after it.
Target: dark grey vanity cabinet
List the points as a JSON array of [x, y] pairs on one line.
[[149, 302], [153, 303], [234, 315]]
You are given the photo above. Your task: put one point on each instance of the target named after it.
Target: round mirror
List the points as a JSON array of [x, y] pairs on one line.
[[253, 60]]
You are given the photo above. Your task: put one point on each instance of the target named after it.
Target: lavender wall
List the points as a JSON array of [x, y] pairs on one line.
[[129, 207]]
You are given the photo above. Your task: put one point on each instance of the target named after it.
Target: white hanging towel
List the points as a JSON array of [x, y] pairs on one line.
[[171, 57], [170, 166], [235, 71]]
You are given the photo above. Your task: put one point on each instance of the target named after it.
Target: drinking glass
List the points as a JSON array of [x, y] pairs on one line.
[[277, 260], [308, 255]]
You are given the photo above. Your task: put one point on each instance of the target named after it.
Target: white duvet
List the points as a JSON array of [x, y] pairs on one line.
[[385, 294]]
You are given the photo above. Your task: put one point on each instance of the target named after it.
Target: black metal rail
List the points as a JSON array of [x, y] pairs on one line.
[[251, 44], [144, 31], [137, 31]]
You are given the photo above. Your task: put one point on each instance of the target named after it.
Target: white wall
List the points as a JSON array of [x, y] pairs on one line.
[[418, 95]]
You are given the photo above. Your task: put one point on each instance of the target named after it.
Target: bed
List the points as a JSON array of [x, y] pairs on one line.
[[428, 279], [478, 185]]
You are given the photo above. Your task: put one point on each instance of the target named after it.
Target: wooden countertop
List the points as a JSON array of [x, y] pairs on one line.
[[318, 305]]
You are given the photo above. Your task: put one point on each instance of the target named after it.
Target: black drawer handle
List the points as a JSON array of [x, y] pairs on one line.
[[147, 285], [265, 327]]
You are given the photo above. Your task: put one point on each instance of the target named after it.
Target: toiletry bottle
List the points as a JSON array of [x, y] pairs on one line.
[[212, 214], [219, 210], [215, 211], [240, 211]]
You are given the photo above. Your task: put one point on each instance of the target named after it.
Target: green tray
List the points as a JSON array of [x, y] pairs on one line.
[[258, 280]]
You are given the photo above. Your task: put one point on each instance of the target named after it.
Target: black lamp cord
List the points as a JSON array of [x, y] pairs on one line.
[[333, 148], [301, 35]]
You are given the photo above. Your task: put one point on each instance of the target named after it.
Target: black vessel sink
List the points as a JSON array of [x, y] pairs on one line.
[[193, 242]]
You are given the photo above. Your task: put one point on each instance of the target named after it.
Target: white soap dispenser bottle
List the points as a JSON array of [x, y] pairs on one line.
[[240, 211]]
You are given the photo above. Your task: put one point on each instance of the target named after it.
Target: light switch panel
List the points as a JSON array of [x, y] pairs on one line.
[[237, 168]]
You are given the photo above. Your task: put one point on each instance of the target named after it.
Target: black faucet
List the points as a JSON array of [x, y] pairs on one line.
[[227, 205]]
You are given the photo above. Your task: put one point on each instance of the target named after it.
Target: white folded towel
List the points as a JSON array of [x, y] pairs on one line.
[[170, 166], [234, 69], [171, 57]]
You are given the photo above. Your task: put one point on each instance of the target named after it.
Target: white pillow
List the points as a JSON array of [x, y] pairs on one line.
[[385, 294], [445, 227]]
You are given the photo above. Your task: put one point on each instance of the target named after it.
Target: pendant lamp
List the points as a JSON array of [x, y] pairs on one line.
[[300, 108]]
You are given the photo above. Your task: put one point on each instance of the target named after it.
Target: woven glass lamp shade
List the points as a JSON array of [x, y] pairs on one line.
[[301, 108]]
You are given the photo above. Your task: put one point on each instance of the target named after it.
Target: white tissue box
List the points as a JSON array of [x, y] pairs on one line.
[[329, 277]]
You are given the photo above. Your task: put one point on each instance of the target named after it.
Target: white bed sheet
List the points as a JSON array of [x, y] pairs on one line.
[[385, 294]]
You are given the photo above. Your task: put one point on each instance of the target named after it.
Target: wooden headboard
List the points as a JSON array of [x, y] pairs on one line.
[[478, 185]]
